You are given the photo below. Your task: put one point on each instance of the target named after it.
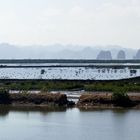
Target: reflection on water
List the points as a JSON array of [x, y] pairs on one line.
[[38, 123], [4, 110]]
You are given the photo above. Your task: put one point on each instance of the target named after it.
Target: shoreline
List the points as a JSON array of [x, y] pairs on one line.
[[55, 107], [91, 100], [44, 99]]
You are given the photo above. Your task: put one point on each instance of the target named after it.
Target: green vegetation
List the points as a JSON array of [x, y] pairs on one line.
[[43, 85], [119, 91], [131, 86], [4, 96], [120, 98]]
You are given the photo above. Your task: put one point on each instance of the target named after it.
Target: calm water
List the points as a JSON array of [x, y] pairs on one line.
[[68, 124]]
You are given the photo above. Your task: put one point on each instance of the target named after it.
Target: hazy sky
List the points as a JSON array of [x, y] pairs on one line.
[[86, 22]]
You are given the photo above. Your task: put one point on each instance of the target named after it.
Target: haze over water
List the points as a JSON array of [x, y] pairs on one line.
[[69, 124]]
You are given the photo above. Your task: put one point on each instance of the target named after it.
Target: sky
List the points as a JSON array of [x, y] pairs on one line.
[[83, 22]]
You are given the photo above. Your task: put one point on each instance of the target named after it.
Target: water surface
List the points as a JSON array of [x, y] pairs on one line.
[[68, 124]]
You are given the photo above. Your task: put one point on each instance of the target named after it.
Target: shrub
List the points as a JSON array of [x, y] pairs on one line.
[[4, 96], [121, 98]]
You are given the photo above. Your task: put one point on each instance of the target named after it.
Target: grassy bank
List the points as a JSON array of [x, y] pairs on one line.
[[129, 85], [58, 99]]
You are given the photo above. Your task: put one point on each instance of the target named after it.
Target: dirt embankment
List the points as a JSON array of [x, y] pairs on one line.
[[39, 99], [104, 100]]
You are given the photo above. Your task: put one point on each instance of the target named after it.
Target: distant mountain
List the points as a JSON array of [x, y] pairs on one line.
[[137, 56], [104, 55], [121, 55], [58, 51]]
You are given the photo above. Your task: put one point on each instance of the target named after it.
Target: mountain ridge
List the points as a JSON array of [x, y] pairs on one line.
[[58, 51]]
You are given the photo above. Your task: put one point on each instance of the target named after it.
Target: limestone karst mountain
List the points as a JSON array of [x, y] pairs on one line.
[[121, 55], [58, 51], [137, 56], [104, 55]]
